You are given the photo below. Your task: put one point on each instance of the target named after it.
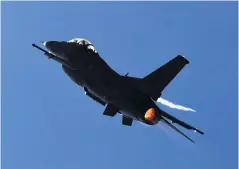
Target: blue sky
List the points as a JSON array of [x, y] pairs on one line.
[[48, 122]]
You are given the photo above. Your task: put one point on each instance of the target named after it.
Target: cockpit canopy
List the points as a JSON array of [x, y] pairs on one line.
[[81, 41]]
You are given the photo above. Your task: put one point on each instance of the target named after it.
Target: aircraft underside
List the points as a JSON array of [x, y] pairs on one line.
[[132, 97]]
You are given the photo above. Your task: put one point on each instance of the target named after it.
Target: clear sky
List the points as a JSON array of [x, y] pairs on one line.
[[48, 122]]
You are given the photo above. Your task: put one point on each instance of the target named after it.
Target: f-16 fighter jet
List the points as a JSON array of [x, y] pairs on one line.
[[134, 98]]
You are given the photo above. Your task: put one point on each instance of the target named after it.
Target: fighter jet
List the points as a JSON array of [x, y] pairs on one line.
[[132, 97]]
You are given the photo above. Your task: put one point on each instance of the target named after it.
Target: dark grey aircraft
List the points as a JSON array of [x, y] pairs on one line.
[[132, 97]]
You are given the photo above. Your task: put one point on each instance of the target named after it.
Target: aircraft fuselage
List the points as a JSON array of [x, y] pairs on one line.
[[93, 73], [133, 97]]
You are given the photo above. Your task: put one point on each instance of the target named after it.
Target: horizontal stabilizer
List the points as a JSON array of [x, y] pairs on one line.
[[110, 110], [181, 123], [127, 120], [176, 129]]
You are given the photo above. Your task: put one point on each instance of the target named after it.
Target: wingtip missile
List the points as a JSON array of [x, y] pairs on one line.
[[198, 131]]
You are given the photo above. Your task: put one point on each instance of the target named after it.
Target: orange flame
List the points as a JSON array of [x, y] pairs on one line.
[[150, 114]]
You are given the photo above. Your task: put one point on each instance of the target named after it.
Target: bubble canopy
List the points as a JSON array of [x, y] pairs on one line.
[[85, 42]]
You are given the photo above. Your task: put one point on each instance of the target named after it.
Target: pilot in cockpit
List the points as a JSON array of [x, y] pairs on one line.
[[88, 46]]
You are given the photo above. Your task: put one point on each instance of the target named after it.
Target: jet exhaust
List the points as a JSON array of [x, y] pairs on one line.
[[173, 105], [150, 115]]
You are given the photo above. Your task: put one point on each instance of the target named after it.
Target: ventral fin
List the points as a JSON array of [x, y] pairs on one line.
[[110, 110], [127, 121]]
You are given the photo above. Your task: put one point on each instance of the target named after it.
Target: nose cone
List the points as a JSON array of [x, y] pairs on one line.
[[44, 43], [55, 47], [58, 48], [49, 45]]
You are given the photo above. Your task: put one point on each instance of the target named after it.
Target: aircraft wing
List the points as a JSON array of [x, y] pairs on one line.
[[183, 124], [160, 78], [176, 129]]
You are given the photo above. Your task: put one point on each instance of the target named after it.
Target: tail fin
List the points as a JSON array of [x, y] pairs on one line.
[[160, 78]]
